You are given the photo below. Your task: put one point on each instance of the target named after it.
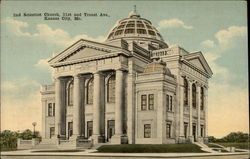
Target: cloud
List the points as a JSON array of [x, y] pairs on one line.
[[173, 23], [208, 43], [228, 37], [20, 104], [43, 64], [46, 33]]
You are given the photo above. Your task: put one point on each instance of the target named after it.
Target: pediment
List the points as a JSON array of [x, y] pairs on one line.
[[198, 60], [198, 63], [83, 53], [84, 50]]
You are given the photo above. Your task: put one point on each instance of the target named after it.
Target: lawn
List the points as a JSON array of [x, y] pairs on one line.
[[166, 148], [8, 149], [73, 150], [240, 145], [212, 145]]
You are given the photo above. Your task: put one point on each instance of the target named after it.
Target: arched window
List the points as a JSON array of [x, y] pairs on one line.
[[194, 95], [70, 93], [111, 89], [90, 91], [202, 98], [185, 92]]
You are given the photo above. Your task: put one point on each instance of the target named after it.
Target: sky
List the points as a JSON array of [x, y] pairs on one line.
[[217, 28]]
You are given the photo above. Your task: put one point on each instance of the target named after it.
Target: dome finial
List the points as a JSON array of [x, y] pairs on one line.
[[134, 13], [135, 8]]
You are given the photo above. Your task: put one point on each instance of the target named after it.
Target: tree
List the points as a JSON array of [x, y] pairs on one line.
[[8, 139], [236, 137]]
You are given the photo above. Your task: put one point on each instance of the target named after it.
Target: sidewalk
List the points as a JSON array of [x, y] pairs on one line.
[[93, 153]]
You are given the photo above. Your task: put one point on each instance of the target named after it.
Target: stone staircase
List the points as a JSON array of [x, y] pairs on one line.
[[205, 147]]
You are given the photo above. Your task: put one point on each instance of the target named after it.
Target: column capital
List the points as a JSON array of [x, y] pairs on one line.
[[98, 72]]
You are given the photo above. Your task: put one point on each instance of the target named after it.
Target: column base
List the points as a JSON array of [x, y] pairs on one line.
[[95, 139], [116, 139], [191, 139], [200, 139], [181, 139], [119, 139]]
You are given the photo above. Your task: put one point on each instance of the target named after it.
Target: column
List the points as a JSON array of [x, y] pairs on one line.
[[116, 139], [181, 101], [58, 107], [199, 110], [206, 110], [76, 107], [190, 109], [118, 102], [96, 107]]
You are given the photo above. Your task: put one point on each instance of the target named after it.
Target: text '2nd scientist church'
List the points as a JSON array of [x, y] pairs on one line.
[[133, 88]]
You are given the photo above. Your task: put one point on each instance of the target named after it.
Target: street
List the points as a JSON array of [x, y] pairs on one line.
[[125, 157]]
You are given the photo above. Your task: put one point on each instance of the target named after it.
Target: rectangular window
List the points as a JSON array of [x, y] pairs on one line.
[[185, 129], [167, 102], [147, 131], [151, 102], [168, 130], [143, 102], [50, 109], [170, 104]]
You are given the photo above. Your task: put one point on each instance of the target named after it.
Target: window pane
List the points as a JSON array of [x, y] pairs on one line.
[[70, 94], [185, 92], [53, 109], [90, 92], [143, 102], [170, 103], [202, 98], [194, 96], [167, 102], [147, 131], [151, 102], [50, 109], [111, 89]]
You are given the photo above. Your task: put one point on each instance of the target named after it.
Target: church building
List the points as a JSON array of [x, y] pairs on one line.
[[131, 89]]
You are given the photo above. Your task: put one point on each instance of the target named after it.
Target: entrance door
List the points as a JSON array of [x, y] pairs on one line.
[[110, 129], [194, 132], [70, 129], [51, 132], [89, 128]]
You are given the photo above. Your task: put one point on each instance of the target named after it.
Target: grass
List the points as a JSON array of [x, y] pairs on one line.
[[166, 148], [7, 149], [59, 151], [213, 146], [239, 145]]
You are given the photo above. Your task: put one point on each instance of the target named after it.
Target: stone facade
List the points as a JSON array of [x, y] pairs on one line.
[[133, 88]]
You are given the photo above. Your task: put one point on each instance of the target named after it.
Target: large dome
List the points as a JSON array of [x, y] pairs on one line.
[[137, 29]]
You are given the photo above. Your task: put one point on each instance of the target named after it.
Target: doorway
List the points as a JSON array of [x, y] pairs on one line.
[[110, 129], [194, 132], [89, 128], [52, 132], [70, 129]]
